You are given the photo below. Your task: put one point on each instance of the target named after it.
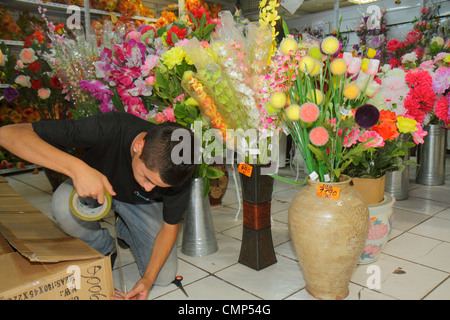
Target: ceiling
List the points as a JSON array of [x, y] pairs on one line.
[[250, 8]]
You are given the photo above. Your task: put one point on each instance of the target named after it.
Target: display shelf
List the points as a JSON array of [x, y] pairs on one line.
[[4, 172], [62, 8], [12, 42]]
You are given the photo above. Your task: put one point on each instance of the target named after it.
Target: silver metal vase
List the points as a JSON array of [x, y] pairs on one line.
[[199, 238], [431, 157]]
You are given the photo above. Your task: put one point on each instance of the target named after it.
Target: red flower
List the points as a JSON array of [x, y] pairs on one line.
[[394, 63], [441, 109], [36, 84], [35, 37], [34, 66], [393, 45], [180, 33], [54, 81], [59, 28], [413, 36], [418, 77]]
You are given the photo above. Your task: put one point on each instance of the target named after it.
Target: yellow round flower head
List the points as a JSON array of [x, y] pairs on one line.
[[315, 96], [371, 53], [278, 100], [314, 52], [293, 112], [330, 45], [317, 69], [306, 64], [288, 45], [351, 91], [270, 109], [338, 67]]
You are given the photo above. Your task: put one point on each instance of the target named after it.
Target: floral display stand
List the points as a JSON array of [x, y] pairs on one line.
[[257, 250]]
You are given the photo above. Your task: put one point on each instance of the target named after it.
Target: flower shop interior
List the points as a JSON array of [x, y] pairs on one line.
[[345, 99]]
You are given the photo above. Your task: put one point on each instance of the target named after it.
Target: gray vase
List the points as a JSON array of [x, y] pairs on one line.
[[431, 157], [199, 238]]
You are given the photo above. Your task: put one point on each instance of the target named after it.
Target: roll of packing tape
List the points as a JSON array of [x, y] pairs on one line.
[[88, 208]]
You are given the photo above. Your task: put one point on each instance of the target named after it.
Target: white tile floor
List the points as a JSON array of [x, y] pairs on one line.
[[419, 245]]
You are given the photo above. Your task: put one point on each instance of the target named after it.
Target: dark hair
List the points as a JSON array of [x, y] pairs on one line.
[[157, 153]]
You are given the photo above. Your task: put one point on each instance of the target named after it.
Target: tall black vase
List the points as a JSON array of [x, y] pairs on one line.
[[257, 250]]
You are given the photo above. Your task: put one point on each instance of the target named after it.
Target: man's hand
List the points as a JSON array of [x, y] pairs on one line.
[[91, 183], [139, 292]]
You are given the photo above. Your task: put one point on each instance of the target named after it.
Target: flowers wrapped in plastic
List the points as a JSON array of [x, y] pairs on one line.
[[230, 82]]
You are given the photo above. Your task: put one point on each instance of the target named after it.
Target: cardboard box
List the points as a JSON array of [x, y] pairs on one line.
[[39, 261]]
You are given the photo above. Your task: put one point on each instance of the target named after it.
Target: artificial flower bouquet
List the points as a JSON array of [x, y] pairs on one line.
[[396, 133], [229, 83], [31, 81], [326, 109]]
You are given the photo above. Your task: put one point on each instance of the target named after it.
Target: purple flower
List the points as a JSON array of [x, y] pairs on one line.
[[367, 115], [100, 90], [442, 81], [11, 94]]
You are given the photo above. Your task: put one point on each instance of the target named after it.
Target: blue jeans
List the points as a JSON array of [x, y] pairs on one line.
[[136, 224]]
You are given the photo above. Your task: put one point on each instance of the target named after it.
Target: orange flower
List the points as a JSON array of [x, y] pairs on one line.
[[387, 130], [386, 115]]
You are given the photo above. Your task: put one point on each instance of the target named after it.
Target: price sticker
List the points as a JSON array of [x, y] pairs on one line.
[[245, 169], [327, 191]]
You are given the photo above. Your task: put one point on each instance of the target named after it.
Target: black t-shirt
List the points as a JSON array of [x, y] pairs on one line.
[[106, 139]]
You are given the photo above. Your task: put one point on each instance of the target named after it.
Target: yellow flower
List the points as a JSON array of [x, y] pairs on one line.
[[314, 52], [351, 91], [315, 96], [287, 45], [293, 112], [306, 64], [371, 53], [316, 70], [278, 99], [447, 58], [365, 64], [338, 67], [330, 45], [406, 125], [174, 56]]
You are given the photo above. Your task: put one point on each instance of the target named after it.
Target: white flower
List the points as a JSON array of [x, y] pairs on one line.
[[409, 57], [24, 81]]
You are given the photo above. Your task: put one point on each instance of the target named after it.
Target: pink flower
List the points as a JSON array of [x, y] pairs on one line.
[[352, 137], [135, 35], [319, 136], [419, 134], [377, 140], [169, 114], [27, 55], [309, 112], [354, 66], [44, 93], [159, 117]]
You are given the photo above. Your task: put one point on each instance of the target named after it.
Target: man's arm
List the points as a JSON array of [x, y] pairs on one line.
[[21, 140], [164, 243]]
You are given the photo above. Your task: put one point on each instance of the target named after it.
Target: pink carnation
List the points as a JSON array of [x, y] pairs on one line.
[[377, 140]]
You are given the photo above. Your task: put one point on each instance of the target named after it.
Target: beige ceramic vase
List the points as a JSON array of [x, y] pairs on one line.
[[328, 232]]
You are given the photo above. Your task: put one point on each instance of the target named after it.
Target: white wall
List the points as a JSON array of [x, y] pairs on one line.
[[398, 18]]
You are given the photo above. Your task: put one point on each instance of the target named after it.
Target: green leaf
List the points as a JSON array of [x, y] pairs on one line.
[[212, 173]]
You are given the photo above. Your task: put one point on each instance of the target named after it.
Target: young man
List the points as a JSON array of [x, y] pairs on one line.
[[131, 159]]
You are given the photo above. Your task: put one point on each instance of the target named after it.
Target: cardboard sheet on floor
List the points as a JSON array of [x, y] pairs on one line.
[[39, 261]]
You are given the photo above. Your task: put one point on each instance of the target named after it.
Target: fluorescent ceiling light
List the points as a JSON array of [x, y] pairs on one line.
[[361, 1]]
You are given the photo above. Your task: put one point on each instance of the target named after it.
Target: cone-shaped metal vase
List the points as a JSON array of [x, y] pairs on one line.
[[199, 238]]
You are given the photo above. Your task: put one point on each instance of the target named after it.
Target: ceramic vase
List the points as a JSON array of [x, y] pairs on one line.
[[328, 231], [380, 227], [257, 251], [218, 186], [372, 189]]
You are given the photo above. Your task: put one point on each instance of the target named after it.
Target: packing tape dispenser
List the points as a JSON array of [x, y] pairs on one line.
[[88, 208]]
